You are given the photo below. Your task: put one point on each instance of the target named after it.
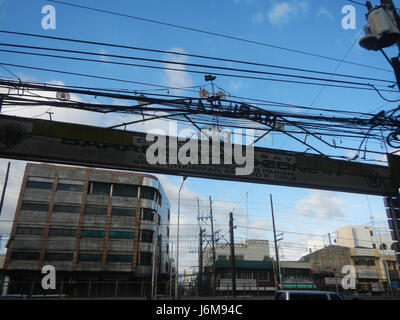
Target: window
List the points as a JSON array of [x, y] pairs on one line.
[[100, 189], [371, 233], [70, 208], [69, 187], [383, 246], [58, 256], [119, 258], [125, 190], [263, 276], [31, 206], [39, 185], [364, 262], [146, 236], [222, 257], [89, 257], [244, 275], [123, 211], [145, 258], [34, 231], [148, 214], [90, 209], [18, 255], [307, 296], [92, 234], [121, 235], [374, 245], [147, 193], [169, 214], [60, 232]]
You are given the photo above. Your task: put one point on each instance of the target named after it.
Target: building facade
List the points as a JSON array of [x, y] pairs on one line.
[[296, 275], [89, 224], [364, 237], [327, 265], [254, 268], [253, 250], [359, 237]]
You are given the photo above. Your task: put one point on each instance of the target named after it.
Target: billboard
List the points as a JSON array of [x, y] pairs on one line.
[[74, 144]]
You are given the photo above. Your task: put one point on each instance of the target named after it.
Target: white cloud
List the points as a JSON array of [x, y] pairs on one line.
[[177, 79], [324, 13], [321, 205], [103, 53], [283, 12], [258, 18], [235, 85]]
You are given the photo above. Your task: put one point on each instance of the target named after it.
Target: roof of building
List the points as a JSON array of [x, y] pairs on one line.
[[243, 264]]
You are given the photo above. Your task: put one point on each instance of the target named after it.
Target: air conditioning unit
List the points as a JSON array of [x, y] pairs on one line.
[[382, 31]]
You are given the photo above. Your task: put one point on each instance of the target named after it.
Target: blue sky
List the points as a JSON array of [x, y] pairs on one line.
[[306, 25]]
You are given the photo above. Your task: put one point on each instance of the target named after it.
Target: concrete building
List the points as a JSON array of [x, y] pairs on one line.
[[91, 225], [252, 250], [296, 275], [314, 245], [359, 237], [254, 267], [252, 277], [327, 265], [364, 237]]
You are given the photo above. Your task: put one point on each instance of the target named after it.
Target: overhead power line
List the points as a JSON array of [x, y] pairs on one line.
[[194, 71], [346, 84], [212, 33], [170, 53]]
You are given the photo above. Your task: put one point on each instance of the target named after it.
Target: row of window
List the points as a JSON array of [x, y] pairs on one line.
[[101, 189], [123, 190], [364, 262], [147, 214], [112, 234], [263, 275], [145, 235], [49, 185], [63, 232], [145, 258]]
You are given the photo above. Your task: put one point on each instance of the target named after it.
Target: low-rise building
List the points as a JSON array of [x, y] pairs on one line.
[[94, 226], [296, 275], [252, 277], [327, 265], [252, 250]]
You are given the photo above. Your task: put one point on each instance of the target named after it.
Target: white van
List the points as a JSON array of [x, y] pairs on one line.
[[306, 295]]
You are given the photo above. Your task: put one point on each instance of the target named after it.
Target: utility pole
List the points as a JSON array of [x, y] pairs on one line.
[[368, 43], [232, 245], [277, 272], [214, 284], [333, 262], [170, 268], [395, 60], [3, 194], [200, 273]]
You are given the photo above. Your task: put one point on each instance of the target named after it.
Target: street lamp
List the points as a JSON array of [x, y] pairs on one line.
[[177, 240]]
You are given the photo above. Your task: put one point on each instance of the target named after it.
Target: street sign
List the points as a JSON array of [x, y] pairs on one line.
[[66, 143]]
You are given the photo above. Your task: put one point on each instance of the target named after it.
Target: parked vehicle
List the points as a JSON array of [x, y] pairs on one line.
[[306, 295]]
